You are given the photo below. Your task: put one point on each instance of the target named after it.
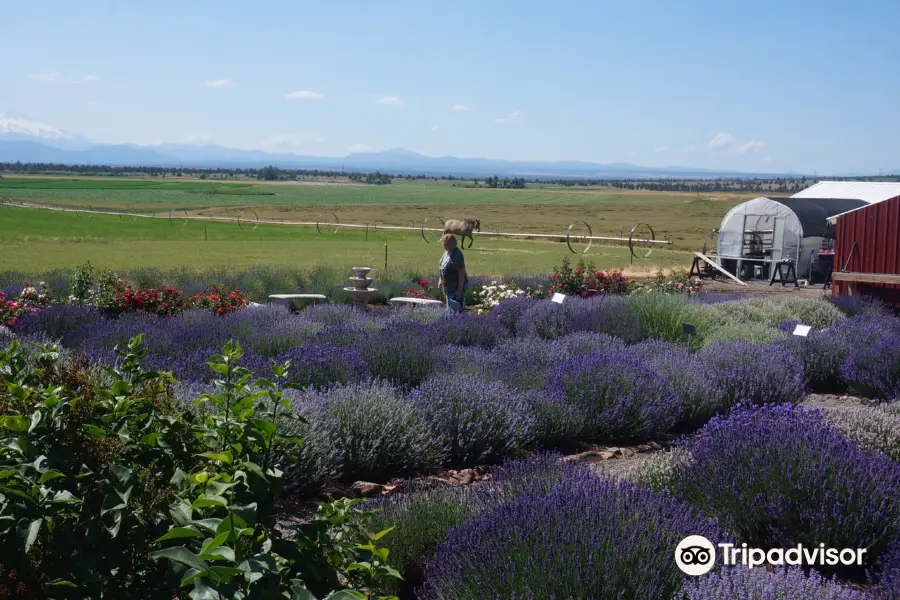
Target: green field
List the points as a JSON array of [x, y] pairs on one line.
[[35, 240]]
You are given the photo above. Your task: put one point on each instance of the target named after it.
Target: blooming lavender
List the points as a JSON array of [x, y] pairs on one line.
[[756, 373], [401, 355], [822, 354], [376, 432], [872, 369], [587, 538], [888, 572], [57, 320], [469, 330], [778, 476], [323, 366], [701, 394], [476, 421], [622, 396], [508, 311], [583, 342], [741, 583], [610, 315], [859, 304]]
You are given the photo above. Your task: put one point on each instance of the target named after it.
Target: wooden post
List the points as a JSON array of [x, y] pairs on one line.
[[385, 256]]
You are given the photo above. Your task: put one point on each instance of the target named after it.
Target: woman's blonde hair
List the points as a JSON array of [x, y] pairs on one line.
[[449, 237]]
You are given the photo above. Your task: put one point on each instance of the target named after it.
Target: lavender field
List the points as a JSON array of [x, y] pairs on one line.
[[404, 393]]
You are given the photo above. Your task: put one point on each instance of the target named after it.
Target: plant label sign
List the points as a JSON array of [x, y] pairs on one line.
[[802, 330], [558, 298]]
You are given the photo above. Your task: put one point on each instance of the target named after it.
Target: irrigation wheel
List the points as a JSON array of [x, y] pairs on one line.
[[176, 215], [327, 222], [637, 241], [255, 219], [578, 237], [433, 229]]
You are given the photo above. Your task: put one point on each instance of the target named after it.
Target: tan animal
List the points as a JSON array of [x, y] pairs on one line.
[[463, 229]]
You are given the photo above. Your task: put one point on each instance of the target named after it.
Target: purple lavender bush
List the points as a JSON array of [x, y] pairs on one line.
[[887, 573], [587, 538], [612, 315], [583, 342], [779, 476], [508, 311], [622, 396], [374, 429], [822, 355], [476, 421], [422, 517], [755, 373], [469, 330], [741, 583], [401, 355], [56, 321], [323, 366], [859, 304], [701, 395], [872, 361]]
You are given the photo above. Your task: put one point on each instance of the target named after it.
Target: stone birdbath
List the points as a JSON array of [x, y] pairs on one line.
[[361, 293]]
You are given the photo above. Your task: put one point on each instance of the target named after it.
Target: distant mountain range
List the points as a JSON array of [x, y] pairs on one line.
[[25, 140]]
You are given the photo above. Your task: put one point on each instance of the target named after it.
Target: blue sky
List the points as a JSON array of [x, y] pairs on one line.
[[758, 86]]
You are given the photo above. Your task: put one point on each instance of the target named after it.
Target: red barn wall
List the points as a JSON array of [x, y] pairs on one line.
[[875, 232]]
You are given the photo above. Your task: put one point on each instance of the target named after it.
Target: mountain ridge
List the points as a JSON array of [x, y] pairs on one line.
[[26, 140]]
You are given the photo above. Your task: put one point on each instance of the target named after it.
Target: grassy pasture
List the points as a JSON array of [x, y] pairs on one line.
[[36, 240]]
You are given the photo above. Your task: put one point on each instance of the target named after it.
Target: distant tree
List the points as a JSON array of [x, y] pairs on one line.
[[269, 173]]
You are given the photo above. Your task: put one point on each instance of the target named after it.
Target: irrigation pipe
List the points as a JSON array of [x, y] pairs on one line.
[[557, 236]]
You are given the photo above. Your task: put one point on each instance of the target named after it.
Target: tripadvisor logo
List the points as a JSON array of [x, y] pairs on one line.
[[695, 555]]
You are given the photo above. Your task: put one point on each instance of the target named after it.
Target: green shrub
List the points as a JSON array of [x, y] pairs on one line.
[[109, 489], [750, 332], [662, 314]]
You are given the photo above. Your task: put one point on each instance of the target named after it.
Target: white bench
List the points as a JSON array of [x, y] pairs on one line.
[[415, 301], [286, 298]]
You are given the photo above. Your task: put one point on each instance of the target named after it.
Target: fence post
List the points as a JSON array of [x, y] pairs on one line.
[[385, 256]]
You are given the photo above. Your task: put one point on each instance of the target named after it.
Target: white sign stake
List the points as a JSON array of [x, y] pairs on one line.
[[558, 298], [802, 330]]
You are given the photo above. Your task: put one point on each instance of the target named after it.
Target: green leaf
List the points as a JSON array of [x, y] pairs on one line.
[[224, 574], [34, 528], [219, 368], [299, 591], [220, 553], [35, 420], [360, 566], [182, 555], [202, 591], [213, 543], [296, 440], [345, 595], [120, 475], [209, 524], [61, 583], [383, 533], [180, 532], [65, 497], [16, 423], [6, 474], [94, 431], [224, 457], [50, 475], [212, 500]]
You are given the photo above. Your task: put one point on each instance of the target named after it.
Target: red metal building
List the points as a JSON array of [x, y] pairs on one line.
[[867, 247]]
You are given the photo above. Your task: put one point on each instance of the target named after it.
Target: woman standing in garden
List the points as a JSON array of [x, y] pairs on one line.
[[454, 280]]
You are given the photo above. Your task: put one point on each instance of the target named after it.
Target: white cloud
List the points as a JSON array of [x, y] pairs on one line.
[[661, 149], [690, 148], [358, 148], [287, 142], [305, 95], [720, 141], [57, 77], [752, 146], [515, 116], [218, 83], [766, 159], [390, 101], [460, 108], [435, 127]]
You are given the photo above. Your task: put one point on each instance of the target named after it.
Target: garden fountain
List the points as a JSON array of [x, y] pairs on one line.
[[361, 293]]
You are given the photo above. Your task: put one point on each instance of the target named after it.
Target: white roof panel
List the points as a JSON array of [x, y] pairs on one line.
[[867, 191]]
